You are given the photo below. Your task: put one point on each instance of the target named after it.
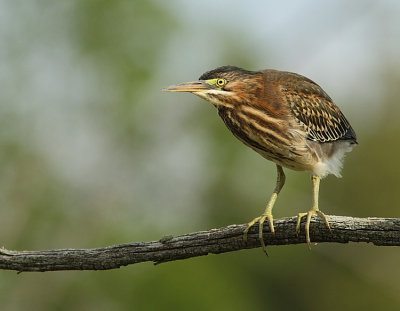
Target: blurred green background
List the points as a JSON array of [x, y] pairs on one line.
[[92, 153]]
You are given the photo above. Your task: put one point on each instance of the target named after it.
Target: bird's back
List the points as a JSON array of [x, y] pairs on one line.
[[311, 106], [329, 135]]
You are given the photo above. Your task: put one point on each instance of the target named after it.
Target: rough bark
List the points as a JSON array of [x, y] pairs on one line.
[[379, 231]]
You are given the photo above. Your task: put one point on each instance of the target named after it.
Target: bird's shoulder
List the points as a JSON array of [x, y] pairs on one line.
[[311, 106]]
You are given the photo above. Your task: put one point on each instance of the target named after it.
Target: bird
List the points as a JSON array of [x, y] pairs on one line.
[[286, 118]]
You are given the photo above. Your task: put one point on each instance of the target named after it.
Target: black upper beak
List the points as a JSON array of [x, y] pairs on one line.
[[194, 86]]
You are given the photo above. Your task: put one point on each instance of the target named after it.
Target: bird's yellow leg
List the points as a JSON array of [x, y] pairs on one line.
[[267, 215], [313, 211]]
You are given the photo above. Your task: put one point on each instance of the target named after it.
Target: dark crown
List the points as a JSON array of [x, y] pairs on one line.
[[226, 72]]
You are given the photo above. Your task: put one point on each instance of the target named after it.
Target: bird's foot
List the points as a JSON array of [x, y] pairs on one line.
[[266, 216], [309, 214]]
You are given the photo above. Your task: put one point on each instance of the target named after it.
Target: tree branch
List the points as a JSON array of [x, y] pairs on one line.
[[379, 231]]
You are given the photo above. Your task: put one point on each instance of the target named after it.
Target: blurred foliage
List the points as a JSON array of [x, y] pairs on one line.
[[92, 153]]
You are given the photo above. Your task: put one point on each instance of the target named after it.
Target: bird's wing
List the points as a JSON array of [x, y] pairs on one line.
[[315, 110]]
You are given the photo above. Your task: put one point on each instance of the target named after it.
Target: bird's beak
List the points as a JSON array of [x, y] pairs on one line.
[[192, 87]]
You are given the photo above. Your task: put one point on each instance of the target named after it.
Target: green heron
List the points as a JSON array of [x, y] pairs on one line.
[[285, 117]]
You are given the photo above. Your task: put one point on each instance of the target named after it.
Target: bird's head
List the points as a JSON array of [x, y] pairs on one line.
[[223, 86]]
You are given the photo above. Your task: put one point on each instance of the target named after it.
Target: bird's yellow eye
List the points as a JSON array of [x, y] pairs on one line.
[[220, 82]]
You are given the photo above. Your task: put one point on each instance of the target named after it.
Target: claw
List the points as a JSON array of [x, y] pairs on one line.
[[309, 214], [260, 221], [299, 217], [249, 225]]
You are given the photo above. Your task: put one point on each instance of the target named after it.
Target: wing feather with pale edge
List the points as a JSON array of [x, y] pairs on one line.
[[315, 110]]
